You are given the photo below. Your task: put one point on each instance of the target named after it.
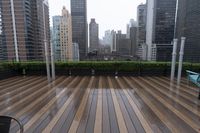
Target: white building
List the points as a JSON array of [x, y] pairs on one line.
[[150, 27], [62, 36]]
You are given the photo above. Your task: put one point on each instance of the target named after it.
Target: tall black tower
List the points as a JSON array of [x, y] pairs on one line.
[[79, 26]]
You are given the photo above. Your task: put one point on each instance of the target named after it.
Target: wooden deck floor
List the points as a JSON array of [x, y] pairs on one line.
[[101, 104]]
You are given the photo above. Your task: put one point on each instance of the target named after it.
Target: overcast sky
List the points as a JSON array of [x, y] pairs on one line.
[[109, 14]]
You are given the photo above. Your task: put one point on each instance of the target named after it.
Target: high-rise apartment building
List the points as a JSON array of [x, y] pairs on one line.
[[66, 36], [79, 26], [132, 23], [141, 19], [62, 36], [160, 27], [113, 41], [24, 29], [56, 37], [107, 39], [119, 36], [188, 25], [133, 38], [124, 47], [94, 35]]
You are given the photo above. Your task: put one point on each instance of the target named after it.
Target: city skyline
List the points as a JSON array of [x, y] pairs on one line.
[[109, 18]]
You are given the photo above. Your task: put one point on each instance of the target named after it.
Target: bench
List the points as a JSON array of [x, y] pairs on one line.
[[194, 78]]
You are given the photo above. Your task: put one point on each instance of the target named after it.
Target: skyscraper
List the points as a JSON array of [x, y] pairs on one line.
[[119, 36], [113, 41], [24, 29], [141, 18], [188, 25], [160, 28], [107, 39], [79, 26], [132, 23], [62, 36], [94, 35], [133, 38], [56, 37], [66, 36]]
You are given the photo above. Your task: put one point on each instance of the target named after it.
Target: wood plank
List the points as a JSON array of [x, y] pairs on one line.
[[187, 89], [79, 113], [11, 97], [106, 120], [153, 107], [16, 81], [26, 113], [92, 114], [144, 123], [25, 100], [120, 119], [64, 91], [99, 112], [95, 109], [59, 114], [114, 128], [129, 118], [83, 122], [171, 108], [9, 80], [84, 119], [67, 117], [48, 105], [19, 84], [176, 98], [185, 95], [12, 89], [155, 123]]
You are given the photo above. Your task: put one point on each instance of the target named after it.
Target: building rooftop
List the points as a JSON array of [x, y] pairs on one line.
[[100, 104]]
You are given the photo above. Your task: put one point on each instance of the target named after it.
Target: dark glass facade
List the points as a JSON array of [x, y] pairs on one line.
[[133, 38], [164, 52], [141, 16], [94, 35], [165, 11], [164, 27], [79, 26], [188, 25]]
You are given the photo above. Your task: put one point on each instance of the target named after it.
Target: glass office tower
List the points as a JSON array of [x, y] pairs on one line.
[[79, 26]]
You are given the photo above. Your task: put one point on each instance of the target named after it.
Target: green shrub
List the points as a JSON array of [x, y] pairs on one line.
[[121, 66]]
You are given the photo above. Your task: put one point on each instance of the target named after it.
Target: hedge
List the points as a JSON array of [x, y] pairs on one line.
[[119, 66]]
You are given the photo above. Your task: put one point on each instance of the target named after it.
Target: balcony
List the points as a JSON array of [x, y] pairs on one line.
[[105, 104]]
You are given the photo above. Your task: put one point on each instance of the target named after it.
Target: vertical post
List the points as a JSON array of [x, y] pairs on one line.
[[46, 48], [52, 63], [181, 60], [174, 59], [14, 30]]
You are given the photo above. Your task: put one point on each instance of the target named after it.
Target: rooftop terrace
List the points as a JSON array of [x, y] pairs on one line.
[[100, 104]]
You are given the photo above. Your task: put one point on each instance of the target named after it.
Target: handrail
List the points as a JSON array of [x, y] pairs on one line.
[[193, 73]]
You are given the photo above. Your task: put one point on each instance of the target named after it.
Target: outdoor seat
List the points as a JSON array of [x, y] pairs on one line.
[[194, 78], [5, 123]]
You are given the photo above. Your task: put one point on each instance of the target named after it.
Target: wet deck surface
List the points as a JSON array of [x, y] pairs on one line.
[[101, 104]]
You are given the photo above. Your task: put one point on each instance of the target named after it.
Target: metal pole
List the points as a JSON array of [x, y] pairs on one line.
[[181, 60], [52, 63], [174, 59], [46, 48], [14, 30]]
